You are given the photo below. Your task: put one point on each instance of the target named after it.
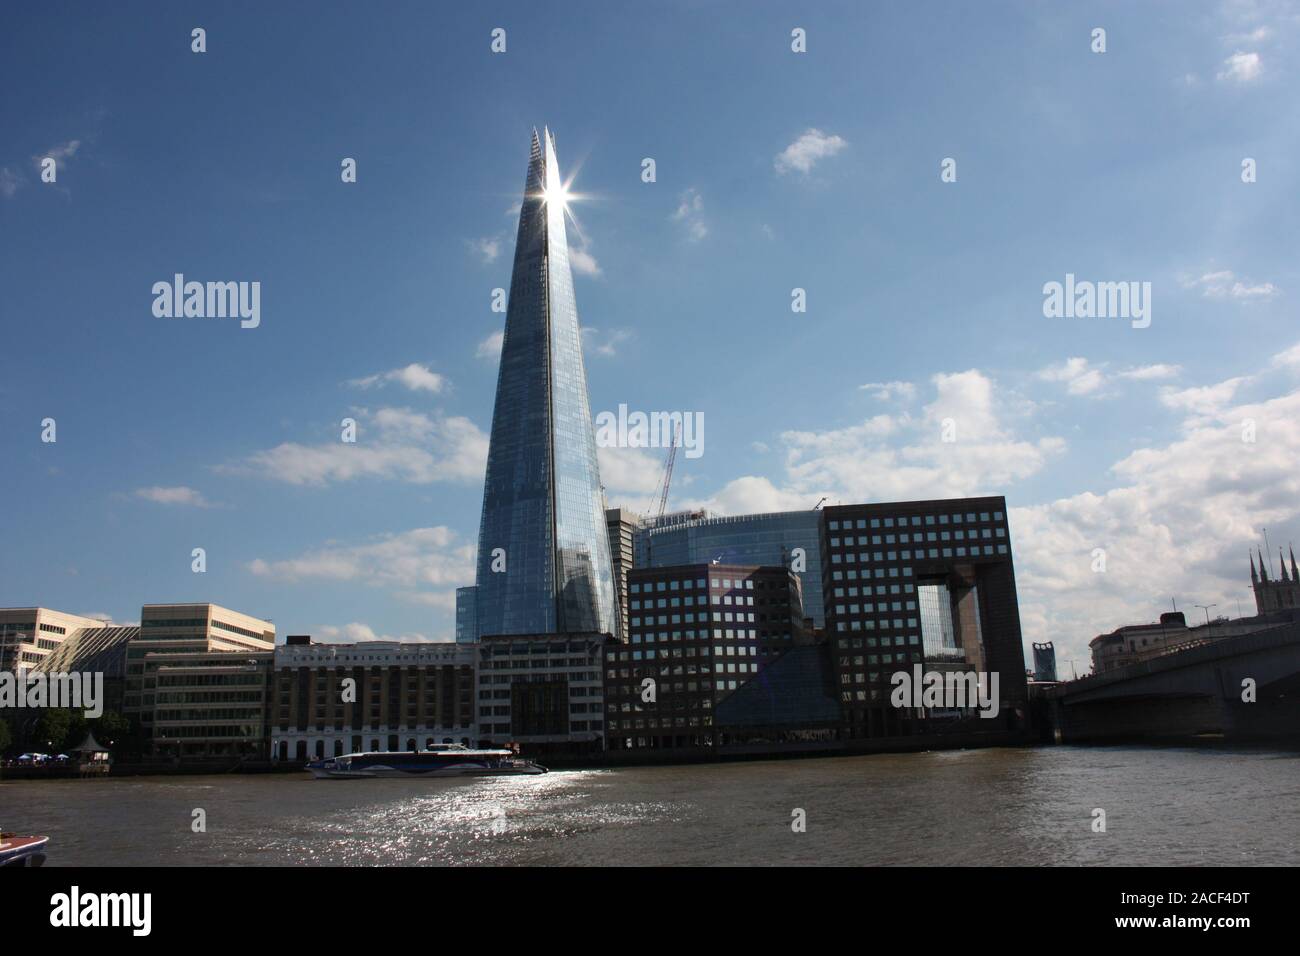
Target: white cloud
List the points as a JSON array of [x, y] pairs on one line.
[[583, 262], [9, 182], [1078, 377], [1226, 285], [407, 446], [1151, 373], [175, 495], [754, 494], [416, 377], [356, 632], [487, 249], [1265, 290], [1258, 35], [604, 344], [1289, 358], [60, 153], [1203, 400], [900, 457], [1241, 68], [888, 391], [690, 212], [807, 151], [630, 475], [422, 566], [490, 347]]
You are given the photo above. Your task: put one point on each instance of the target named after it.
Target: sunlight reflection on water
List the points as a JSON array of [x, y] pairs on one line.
[[1164, 806]]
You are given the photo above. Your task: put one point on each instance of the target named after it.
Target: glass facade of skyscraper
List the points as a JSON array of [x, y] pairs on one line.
[[938, 635], [543, 557], [765, 539]]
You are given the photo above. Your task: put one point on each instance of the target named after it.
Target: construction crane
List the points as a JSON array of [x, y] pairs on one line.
[[667, 480]]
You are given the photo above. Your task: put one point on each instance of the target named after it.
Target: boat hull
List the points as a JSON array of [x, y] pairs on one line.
[[18, 851], [322, 773], [451, 761]]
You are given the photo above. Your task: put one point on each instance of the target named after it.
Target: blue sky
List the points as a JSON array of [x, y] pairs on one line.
[[775, 170]]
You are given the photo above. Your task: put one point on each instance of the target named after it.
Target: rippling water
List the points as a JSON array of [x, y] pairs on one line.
[[1019, 806]]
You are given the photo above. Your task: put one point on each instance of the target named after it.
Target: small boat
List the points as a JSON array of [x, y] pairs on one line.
[[447, 760], [18, 850]]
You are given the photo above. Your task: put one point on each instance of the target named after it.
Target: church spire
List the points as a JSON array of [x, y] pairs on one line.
[[1295, 575], [1254, 575], [1263, 568], [1282, 561]]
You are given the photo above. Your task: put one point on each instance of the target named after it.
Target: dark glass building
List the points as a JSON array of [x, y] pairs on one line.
[[543, 555], [920, 582], [789, 538], [699, 632]]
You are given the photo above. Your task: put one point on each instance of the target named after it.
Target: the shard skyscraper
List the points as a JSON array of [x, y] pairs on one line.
[[543, 551]]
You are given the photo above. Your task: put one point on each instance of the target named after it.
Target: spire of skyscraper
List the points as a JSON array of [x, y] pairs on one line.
[[543, 555]]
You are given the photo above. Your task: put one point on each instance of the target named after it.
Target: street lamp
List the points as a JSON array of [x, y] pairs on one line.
[[1206, 609]]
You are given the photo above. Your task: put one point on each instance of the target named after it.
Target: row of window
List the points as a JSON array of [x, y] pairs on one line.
[[852, 574], [727, 617], [913, 520], [678, 585], [864, 557], [689, 601], [661, 723], [875, 677], [919, 537]]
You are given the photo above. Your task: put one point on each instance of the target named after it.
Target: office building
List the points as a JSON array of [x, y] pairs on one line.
[[622, 525], [198, 681], [788, 538], [697, 634], [543, 691], [28, 634], [920, 582], [95, 650], [332, 699], [543, 554]]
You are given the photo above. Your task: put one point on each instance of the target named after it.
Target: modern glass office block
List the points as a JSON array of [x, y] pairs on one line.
[[543, 557], [741, 539], [938, 633], [466, 615]]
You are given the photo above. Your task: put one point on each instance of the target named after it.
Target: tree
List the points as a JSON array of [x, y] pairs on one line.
[[111, 728], [53, 728]]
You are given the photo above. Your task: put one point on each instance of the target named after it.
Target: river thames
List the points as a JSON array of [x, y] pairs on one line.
[[981, 807]]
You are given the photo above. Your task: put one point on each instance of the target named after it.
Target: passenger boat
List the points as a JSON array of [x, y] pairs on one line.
[[18, 850], [447, 760]]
